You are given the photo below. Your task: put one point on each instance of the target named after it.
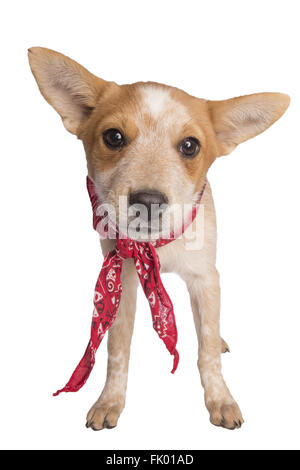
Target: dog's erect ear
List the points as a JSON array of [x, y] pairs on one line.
[[67, 86], [238, 119]]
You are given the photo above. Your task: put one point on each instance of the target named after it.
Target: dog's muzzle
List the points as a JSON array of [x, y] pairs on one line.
[[153, 202]]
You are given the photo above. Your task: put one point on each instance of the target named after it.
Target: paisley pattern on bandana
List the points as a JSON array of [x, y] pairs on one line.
[[108, 292]]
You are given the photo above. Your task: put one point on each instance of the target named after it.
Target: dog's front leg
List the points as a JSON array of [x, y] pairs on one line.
[[205, 300], [107, 409]]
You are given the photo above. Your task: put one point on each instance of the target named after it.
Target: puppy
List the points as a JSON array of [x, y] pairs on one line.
[[155, 140]]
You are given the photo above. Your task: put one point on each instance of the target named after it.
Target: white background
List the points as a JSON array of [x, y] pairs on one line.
[[50, 256]]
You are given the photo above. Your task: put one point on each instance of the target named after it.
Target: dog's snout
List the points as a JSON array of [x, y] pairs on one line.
[[149, 198]]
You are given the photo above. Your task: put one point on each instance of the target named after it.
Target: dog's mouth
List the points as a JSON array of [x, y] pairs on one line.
[[162, 219], [147, 215], [146, 222]]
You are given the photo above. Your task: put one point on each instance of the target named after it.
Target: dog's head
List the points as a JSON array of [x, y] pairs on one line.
[[148, 143]]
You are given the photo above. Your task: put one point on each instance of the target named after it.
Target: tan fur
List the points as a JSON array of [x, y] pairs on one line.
[[154, 118]]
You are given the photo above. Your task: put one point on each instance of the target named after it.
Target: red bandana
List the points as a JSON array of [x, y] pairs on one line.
[[108, 292]]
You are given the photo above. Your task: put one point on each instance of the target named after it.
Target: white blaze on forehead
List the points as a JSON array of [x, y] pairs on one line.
[[157, 101]]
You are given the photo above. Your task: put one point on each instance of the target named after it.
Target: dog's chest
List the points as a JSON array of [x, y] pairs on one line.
[[174, 258]]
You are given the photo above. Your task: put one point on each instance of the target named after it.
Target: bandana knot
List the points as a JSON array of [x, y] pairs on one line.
[[108, 292], [125, 248]]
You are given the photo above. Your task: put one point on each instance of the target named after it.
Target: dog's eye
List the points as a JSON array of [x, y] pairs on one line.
[[114, 139], [189, 147]]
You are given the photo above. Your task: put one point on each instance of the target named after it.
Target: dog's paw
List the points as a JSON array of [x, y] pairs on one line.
[[228, 416], [103, 416], [224, 346]]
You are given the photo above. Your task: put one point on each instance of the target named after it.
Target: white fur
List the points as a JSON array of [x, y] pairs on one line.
[[156, 100]]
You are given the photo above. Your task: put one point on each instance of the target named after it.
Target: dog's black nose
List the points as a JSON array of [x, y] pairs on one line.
[[148, 197]]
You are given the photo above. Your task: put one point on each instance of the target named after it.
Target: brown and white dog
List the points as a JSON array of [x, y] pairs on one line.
[[155, 141]]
